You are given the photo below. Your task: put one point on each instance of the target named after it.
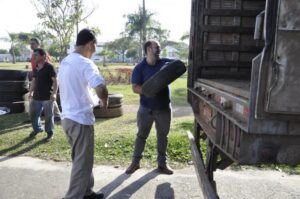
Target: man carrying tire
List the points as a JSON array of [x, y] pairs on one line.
[[155, 109]]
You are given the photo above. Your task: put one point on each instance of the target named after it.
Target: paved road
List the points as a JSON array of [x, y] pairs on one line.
[[31, 178]]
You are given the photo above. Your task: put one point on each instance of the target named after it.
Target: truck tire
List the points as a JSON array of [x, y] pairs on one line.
[[10, 97], [115, 99], [14, 86], [167, 74], [14, 108], [108, 113], [13, 75]]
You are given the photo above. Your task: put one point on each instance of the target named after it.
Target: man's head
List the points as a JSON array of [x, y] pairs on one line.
[[86, 38], [39, 55], [34, 43], [152, 49]]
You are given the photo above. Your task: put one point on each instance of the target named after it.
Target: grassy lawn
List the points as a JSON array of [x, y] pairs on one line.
[[114, 138], [113, 141]]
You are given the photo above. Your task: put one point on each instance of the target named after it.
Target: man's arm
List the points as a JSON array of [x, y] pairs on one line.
[[31, 89], [137, 88], [54, 87], [102, 93]]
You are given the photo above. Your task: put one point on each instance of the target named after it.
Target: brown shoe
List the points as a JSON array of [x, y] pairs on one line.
[[132, 168], [165, 169]]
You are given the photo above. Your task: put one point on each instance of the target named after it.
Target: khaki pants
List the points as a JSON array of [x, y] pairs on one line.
[[81, 139]]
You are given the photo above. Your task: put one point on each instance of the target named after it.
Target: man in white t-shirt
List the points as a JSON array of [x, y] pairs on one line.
[[77, 75]]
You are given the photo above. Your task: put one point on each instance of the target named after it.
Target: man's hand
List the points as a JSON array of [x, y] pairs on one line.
[[137, 88], [104, 103], [53, 97], [102, 93], [30, 96]]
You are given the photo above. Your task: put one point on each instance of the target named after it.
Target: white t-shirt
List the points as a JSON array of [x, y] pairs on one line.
[[76, 77]]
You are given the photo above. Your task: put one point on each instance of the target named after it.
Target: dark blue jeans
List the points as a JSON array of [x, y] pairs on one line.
[[36, 108], [145, 119]]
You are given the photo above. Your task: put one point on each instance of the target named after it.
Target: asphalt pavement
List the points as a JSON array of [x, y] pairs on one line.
[[31, 178]]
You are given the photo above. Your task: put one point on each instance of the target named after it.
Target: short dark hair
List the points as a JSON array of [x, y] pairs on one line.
[[35, 40], [146, 45], [85, 36], [41, 51]]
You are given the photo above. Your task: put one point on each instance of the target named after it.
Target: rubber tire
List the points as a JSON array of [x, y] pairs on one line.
[[167, 74], [14, 86], [14, 108], [108, 113], [5, 109], [10, 97], [115, 99], [13, 75]]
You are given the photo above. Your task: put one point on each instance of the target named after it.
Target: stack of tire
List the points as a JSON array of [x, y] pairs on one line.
[[114, 108], [13, 85]]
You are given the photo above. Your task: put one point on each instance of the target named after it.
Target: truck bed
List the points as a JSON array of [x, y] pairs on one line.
[[239, 88]]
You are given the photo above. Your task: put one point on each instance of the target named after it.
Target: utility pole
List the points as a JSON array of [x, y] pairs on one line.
[[144, 22], [77, 20]]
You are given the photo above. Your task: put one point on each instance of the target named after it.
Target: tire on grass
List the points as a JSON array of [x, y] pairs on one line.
[[108, 113], [14, 107], [14, 86], [115, 99], [13, 75], [167, 74], [10, 97]]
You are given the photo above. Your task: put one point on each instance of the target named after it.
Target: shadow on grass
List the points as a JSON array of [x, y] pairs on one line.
[[128, 191], [22, 151], [12, 122], [15, 128]]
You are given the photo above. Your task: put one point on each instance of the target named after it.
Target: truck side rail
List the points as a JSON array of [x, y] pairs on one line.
[[213, 104]]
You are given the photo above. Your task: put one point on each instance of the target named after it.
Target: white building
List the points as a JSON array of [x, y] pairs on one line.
[[5, 58], [170, 52]]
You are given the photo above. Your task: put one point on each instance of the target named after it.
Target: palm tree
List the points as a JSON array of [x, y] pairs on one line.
[[141, 26], [135, 26]]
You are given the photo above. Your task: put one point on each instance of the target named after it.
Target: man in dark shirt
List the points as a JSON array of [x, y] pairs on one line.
[[152, 110], [35, 43], [42, 94]]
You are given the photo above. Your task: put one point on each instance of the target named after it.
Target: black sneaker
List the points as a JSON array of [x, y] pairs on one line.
[[49, 137], [57, 119], [94, 195], [34, 133]]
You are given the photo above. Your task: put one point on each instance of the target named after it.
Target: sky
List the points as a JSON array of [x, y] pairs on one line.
[[174, 15]]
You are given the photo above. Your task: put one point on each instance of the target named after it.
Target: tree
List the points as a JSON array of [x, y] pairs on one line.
[[60, 17], [3, 51], [141, 26], [18, 44], [119, 46]]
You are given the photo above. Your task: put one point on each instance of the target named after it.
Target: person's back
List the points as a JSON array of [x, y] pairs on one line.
[[77, 76], [76, 98]]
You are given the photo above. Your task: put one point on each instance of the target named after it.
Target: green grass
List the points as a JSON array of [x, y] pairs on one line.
[[16, 66], [178, 92], [22, 65], [114, 139]]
